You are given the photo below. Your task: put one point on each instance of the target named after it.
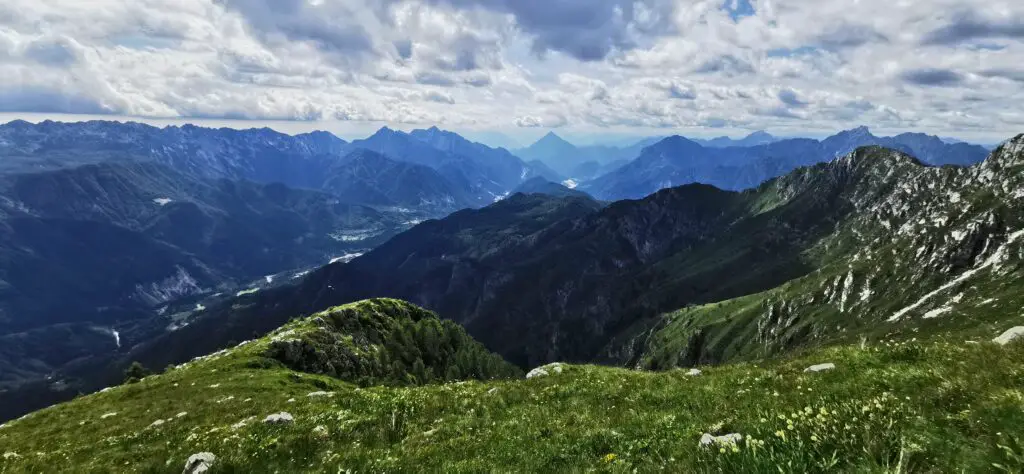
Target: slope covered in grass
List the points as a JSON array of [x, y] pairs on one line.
[[940, 405]]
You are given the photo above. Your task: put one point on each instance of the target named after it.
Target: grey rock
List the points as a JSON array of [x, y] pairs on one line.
[[725, 440], [820, 367], [1010, 335], [199, 463], [283, 418]]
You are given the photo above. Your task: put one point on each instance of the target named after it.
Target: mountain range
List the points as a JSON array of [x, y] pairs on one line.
[[677, 160], [539, 278], [94, 250], [839, 309]]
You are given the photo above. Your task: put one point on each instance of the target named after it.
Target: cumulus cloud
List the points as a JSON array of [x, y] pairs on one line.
[[786, 65]]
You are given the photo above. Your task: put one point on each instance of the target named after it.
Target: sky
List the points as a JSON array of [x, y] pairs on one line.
[[511, 70]]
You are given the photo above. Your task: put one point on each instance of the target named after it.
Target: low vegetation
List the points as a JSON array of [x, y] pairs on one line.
[[936, 405]]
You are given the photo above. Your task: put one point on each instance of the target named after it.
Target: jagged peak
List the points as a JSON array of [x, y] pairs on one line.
[[875, 155], [1010, 153]]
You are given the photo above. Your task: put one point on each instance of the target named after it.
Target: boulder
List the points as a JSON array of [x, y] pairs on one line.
[[545, 370], [725, 440], [199, 463], [694, 372], [1009, 336], [283, 418], [820, 367]]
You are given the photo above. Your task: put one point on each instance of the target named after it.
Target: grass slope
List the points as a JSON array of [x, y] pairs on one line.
[[939, 405]]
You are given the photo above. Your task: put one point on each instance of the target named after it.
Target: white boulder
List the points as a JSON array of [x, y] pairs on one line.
[[545, 370], [820, 367], [199, 463], [725, 440], [1009, 336], [694, 372], [283, 418]]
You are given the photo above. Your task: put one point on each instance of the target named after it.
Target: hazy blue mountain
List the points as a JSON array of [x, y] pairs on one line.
[[368, 177], [676, 161], [757, 138], [540, 185], [103, 245], [577, 163], [485, 173]]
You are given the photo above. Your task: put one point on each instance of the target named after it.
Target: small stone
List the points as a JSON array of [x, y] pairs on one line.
[[492, 391], [11, 455], [108, 415], [1009, 336], [199, 463], [320, 432], [179, 415], [694, 372], [282, 418], [157, 423], [320, 394], [820, 367], [725, 440]]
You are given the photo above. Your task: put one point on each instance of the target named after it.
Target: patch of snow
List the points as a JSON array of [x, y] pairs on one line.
[[250, 291], [269, 279], [200, 307], [570, 183], [163, 201], [300, 275]]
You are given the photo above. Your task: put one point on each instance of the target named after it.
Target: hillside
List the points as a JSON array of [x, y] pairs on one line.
[[584, 287], [936, 405], [88, 253]]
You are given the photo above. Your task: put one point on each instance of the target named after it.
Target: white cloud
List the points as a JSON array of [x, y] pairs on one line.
[[790, 66]]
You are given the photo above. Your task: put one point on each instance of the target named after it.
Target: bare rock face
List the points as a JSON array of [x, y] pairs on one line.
[[199, 463]]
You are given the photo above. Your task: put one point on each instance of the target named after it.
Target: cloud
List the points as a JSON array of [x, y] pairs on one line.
[[791, 99], [547, 121], [49, 101], [439, 97], [968, 26], [588, 30], [932, 77], [595, 65]]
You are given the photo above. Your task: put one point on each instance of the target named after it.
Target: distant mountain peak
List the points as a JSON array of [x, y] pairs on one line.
[[760, 134], [552, 138], [858, 131]]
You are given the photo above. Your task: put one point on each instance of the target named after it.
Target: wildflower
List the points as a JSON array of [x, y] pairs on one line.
[[814, 438], [735, 449], [789, 427], [721, 450], [610, 458]]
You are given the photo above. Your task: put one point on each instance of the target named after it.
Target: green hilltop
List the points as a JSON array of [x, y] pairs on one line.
[[935, 405]]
